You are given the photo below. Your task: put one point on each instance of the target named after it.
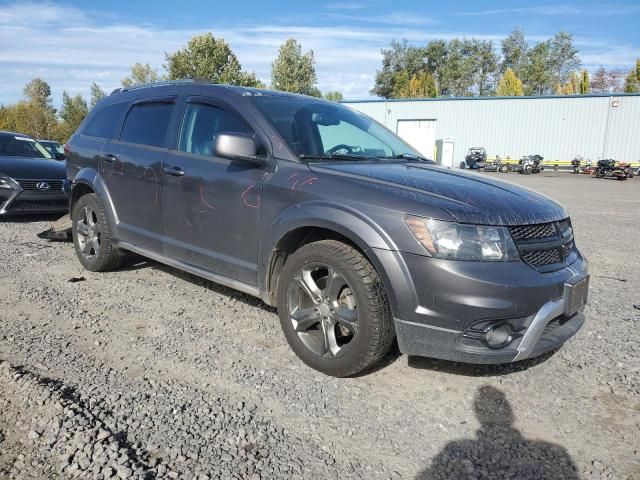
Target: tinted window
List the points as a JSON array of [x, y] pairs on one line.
[[105, 120], [19, 146], [202, 123], [147, 124]]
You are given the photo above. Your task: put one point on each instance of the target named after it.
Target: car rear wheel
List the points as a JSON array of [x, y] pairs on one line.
[[333, 309], [92, 236]]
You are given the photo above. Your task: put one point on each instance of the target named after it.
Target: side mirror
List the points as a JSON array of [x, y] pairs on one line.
[[60, 156], [238, 146]]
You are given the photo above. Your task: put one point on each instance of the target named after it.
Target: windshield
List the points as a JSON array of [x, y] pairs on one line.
[[52, 147], [316, 128], [16, 146]]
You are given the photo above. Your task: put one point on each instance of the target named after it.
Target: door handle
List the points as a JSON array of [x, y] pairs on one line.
[[109, 157], [175, 171]]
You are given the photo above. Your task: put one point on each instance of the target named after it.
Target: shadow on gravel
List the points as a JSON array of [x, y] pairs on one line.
[[498, 449], [70, 395], [475, 370]]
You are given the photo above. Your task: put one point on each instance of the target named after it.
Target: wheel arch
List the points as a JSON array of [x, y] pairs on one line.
[[302, 225], [87, 181]]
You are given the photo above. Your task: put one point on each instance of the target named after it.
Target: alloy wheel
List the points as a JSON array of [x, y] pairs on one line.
[[89, 232], [323, 311]]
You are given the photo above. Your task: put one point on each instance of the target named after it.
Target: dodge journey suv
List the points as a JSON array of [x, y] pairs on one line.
[[326, 214]]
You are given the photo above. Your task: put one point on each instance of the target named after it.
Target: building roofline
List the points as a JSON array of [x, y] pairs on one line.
[[446, 99]]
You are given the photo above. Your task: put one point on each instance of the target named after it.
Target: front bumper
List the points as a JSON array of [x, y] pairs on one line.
[[443, 304], [19, 202]]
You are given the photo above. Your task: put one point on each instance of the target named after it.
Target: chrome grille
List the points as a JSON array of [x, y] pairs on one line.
[[32, 185]]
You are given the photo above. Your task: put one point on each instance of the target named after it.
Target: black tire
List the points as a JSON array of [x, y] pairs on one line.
[[375, 333], [103, 256], [503, 169]]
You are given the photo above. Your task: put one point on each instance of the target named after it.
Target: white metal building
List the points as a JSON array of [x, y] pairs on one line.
[[556, 127]]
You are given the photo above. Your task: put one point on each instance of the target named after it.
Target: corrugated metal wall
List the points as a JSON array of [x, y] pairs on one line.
[[558, 128]]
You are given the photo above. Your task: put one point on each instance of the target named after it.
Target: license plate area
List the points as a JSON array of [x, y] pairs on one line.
[[576, 292]]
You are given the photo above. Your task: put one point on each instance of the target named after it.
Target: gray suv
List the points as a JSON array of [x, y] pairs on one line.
[[326, 214]]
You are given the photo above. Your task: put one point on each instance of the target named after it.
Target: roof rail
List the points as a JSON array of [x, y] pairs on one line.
[[161, 83]]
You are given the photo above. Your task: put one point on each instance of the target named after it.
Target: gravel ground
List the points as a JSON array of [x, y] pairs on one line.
[[148, 372]]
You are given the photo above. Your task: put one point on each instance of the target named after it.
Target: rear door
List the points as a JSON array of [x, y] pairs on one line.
[[132, 170], [211, 205]]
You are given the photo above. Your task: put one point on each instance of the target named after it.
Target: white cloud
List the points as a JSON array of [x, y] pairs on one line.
[[344, 6], [75, 49], [395, 18], [566, 10]]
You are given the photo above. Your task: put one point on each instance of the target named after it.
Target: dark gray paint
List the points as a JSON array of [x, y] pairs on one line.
[[223, 219]]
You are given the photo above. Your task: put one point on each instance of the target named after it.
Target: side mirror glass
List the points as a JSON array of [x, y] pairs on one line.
[[60, 156], [238, 146]]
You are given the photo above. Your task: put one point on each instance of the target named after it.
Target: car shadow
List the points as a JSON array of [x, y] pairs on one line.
[[498, 449], [476, 370]]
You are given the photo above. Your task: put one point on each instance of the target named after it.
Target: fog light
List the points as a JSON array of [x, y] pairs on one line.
[[499, 336]]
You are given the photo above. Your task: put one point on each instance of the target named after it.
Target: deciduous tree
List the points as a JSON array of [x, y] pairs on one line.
[[140, 74], [209, 58], [294, 71], [334, 96], [510, 85], [514, 52]]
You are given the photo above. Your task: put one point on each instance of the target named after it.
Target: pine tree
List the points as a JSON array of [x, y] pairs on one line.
[[632, 81], [585, 85], [510, 85]]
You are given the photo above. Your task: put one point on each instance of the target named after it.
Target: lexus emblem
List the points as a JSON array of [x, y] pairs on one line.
[[44, 186]]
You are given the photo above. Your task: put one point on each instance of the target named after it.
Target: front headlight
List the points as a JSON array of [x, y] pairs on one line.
[[457, 241], [8, 182]]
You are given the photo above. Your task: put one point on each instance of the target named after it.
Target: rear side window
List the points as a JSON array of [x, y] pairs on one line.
[[104, 122], [147, 124]]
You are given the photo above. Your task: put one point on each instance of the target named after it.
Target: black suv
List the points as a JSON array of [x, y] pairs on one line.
[[326, 214]]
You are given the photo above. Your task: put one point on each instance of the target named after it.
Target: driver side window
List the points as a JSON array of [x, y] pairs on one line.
[[201, 125], [354, 139]]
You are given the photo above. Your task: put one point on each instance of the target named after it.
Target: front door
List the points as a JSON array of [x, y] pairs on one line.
[[211, 205], [132, 169]]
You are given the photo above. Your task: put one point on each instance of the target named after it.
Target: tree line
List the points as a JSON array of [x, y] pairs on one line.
[[458, 67], [475, 67]]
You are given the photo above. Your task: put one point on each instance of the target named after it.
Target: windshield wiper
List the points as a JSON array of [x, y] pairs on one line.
[[335, 156], [406, 156]]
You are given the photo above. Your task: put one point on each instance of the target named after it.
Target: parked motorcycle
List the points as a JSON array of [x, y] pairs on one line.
[[575, 163], [530, 164], [497, 166], [476, 158], [610, 168]]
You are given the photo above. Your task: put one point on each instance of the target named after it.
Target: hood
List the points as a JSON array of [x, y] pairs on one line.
[[468, 197], [33, 168]]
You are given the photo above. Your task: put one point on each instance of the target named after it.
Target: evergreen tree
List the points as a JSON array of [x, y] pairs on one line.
[[97, 94], [585, 84], [510, 85], [632, 81], [293, 70], [73, 111]]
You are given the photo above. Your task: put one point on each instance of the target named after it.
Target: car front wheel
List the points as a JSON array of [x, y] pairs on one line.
[[92, 236], [333, 309]]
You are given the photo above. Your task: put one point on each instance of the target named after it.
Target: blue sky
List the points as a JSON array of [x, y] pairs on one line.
[[70, 44]]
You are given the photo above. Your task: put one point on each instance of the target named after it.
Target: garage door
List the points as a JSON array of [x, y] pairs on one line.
[[420, 134]]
